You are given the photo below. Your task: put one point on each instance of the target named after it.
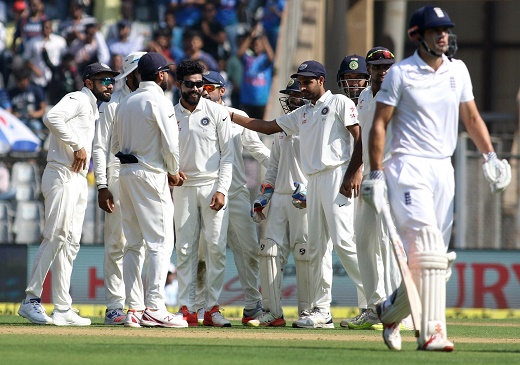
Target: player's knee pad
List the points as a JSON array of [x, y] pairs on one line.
[[270, 276], [429, 263], [303, 276]]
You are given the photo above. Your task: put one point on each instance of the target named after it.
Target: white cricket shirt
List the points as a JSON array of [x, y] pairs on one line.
[[366, 109], [72, 122], [325, 141], [425, 121], [144, 126], [206, 154], [101, 155]]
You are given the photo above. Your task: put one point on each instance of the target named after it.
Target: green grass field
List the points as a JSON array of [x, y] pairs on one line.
[[477, 341]]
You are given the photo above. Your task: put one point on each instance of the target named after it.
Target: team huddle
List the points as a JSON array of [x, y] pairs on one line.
[[173, 177]]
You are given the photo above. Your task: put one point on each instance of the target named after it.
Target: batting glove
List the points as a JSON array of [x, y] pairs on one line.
[[266, 191], [299, 195], [374, 190], [497, 172]]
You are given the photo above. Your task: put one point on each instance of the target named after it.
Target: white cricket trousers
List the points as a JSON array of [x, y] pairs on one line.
[[193, 217], [147, 215], [65, 194], [421, 192], [379, 271], [331, 225], [286, 225]]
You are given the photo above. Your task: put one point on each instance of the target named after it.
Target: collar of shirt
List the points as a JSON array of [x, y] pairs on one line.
[[425, 67], [92, 99], [321, 100], [151, 86], [198, 107]]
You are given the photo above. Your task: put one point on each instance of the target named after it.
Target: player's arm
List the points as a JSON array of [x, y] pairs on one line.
[[100, 151], [226, 160], [258, 125], [376, 139], [353, 175]]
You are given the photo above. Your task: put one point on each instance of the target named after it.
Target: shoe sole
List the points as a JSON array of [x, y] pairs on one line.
[[216, 325], [62, 324], [133, 325], [26, 316], [275, 323], [367, 326], [112, 323], [162, 324], [317, 326]]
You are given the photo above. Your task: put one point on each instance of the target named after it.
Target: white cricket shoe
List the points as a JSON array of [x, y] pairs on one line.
[[200, 316], [34, 311], [69, 317], [437, 343], [133, 318], [162, 318], [215, 318], [317, 319], [392, 336]]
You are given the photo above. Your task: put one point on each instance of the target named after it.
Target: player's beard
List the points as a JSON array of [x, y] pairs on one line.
[[102, 95], [164, 83], [191, 97]]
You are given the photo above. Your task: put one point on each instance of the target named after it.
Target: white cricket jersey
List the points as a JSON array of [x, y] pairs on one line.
[[284, 164], [101, 155], [206, 154], [243, 137], [325, 141], [425, 122], [72, 122], [366, 109], [144, 126]]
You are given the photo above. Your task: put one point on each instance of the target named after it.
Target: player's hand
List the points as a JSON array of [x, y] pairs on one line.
[[80, 160], [299, 195], [266, 191], [177, 179], [374, 190], [218, 201], [497, 172], [351, 184], [106, 200]]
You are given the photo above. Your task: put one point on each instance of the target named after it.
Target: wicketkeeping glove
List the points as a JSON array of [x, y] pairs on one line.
[[299, 195], [374, 190], [497, 172], [266, 191]]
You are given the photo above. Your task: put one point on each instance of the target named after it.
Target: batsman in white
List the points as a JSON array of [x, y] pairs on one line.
[[379, 271], [325, 125], [206, 159], [286, 227], [64, 186], [146, 141], [106, 170], [423, 96], [242, 236]]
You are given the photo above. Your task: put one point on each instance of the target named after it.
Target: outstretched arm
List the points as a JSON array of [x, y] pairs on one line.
[[259, 125]]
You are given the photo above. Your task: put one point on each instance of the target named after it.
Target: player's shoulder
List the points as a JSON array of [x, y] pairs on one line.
[[341, 100], [365, 94]]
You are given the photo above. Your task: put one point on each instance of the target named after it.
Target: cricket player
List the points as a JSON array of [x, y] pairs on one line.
[[106, 170], [71, 123], [352, 76], [424, 95], [206, 160], [146, 141], [325, 126], [242, 235], [286, 228]]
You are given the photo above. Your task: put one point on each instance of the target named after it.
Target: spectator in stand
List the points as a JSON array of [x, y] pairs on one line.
[[90, 49], [28, 102], [234, 71], [170, 22], [124, 44], [212, 32], [193, 44], [160, 43], [188, 12], [257, 58], [66, 78], [271, 19], [74, 26], [28, 26], [227, 15], [138, 29], [51, 44]]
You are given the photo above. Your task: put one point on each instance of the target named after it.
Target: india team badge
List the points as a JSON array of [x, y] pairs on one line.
[[325, 110], [204, 121], [353, 65]]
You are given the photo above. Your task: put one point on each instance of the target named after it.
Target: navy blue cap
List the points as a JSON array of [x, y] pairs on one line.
[[380, 56], [310, 69], [214, 77], [429, 17], [151, 63], [292, 86], [97, 68], [353, 64]]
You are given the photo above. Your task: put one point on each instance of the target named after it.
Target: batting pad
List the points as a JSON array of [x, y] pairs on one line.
[[303, 276], [270, 276], [429, 263]]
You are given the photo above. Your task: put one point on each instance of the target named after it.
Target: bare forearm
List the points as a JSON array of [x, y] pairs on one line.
[[258, 125]]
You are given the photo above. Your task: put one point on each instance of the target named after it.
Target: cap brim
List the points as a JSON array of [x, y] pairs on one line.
[[167, 66], [381, 62], [126, 73], [288, 91], [303, 73]]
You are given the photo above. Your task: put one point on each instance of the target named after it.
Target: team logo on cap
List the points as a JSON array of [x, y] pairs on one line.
[[353, 65], [302, 67], [104, 65], [325, 110], [291, 83], [204, 121], [205, 73]]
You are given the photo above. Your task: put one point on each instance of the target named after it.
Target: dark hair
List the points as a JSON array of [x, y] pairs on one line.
[[190, 34], [188, 68]]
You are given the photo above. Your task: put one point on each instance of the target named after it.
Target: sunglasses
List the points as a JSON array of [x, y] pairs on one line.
[[211, 87], [190, 84], [106, 81], [380, 54]]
